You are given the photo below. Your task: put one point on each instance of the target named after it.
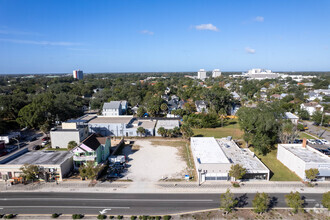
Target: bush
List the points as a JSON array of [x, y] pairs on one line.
[[133, 217], [236, 185], [111, 217], [9, 216], [167, 217], [55, 215], [157, 217], [101, 216], [119, 217], [77, 216]]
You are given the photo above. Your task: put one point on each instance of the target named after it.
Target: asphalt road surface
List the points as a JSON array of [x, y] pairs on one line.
[[127, 204]]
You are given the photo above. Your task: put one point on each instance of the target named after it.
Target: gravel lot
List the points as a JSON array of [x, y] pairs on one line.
[[151, 163]]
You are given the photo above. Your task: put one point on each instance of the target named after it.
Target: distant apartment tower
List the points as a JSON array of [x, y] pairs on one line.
[[201, 74], [216, 73], [78, 74]]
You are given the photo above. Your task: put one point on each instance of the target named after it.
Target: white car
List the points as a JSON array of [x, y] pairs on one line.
[[324, 141], [311, 141], [44, 143]]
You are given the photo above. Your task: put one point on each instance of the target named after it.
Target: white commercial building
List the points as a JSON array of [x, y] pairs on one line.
[[214, 158], [216, 73], [259, 74], [78, 74], [201, 74], [299, 158]]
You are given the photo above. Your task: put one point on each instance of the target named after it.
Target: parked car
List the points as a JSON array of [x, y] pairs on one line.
[[44, 143], [36, 147], [311, 141], [324, 151], [324, 141], [33, 138], [45, 139], [318, 142]]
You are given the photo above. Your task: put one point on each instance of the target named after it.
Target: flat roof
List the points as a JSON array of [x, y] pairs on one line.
[[167, 124], [41, 157], [207, 150], [241, 156], [145, 123], [115, 120], [307, 154]]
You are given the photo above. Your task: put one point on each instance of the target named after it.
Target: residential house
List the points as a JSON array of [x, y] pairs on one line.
[[276, 96], [172, 105], [165, 97], [112, 108], [313, 95], [311, 107], [93, 148], [292, 117], [201, 106], [263, 89], [235, 95]]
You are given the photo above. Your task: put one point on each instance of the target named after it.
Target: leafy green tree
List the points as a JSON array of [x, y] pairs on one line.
[[326, 200], [72, 144], [176, 131], [237, 171], [294, 201], [227, 202], [317, 117], [303, 114], [141, 111], [311, 173], [219, 98], [260, 125], [288, 132], [164, 107], [169, 133], [29, 172], [222, 115], [260, 203], [45, 128], [161, 131], [141, 131], [186, 131], [89, 170]]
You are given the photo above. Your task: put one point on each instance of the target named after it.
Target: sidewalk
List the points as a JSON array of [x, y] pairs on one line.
[[168, 187]]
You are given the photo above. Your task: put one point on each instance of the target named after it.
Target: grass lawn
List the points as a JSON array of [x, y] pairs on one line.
[[57, 149], [279, 172], [304, 135], [231, 128]]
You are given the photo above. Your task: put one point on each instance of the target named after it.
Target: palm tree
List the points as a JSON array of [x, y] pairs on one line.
[[161, 131], [141, 131], [72, 144]]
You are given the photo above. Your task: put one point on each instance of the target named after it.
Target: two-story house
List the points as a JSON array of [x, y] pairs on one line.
[[201, 106], [112, 108], [93, 148]]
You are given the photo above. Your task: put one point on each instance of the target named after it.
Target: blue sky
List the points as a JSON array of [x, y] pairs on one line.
[[146, 36]]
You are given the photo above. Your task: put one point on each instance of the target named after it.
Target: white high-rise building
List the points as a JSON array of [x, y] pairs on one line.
[[78, 74], [216, 73], [201, 74]]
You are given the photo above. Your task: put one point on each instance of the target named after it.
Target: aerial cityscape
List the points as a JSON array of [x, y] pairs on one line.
[[164, 109]]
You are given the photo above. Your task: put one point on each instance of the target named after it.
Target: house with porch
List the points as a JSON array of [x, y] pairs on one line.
[[93, 148]]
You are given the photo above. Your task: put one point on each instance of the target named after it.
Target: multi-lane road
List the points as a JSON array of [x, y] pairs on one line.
[[127, 204]]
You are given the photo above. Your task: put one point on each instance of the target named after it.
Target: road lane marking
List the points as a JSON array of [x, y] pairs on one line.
[[135, 200], [310, 200], [71, 207]]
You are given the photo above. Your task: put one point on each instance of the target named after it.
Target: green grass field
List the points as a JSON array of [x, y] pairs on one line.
[[231, 128], [279, 172], [304, 135]]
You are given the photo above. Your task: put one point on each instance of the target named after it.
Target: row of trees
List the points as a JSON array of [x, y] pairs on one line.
[[262, 202]]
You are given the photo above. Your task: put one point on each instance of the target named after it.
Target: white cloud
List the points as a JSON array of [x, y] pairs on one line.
[[147, 32], [250, 50], [5, 30], [50, 43], [259, 19], [209, 27]]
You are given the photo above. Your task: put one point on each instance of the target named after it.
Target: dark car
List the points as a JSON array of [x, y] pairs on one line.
[[324, 151], [33, 139], [45, 139], [36, 147]]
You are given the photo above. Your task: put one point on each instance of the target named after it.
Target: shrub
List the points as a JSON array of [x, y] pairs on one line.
[[157, 217], [119, 217], [9, 216], [236, 185], [167, 217], [101, 216], [55, 215], [77, 216], [111, 217], [133, 217]]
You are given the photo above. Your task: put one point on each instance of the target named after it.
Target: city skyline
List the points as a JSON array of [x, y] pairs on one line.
[[130, 36]]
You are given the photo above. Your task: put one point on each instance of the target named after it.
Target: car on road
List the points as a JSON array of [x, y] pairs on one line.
[[33, 139]]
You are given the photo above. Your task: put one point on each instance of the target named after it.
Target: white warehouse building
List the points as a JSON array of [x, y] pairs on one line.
[[213, 159], [300, 157]]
